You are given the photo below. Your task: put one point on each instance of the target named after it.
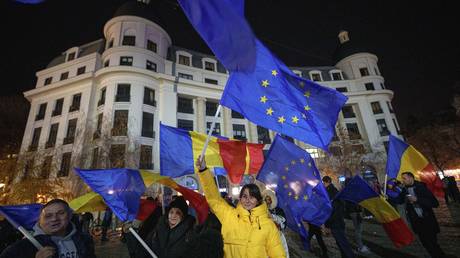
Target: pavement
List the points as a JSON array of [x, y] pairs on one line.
[[373, 236]]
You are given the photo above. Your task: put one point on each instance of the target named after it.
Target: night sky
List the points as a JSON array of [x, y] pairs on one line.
[[417, 43]]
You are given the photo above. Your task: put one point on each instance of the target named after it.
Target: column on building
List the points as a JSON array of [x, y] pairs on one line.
[[227, 129], [201, 114], [253, 136]]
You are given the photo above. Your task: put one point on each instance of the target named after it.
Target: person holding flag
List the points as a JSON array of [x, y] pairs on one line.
[[56, 234], [247, 230]]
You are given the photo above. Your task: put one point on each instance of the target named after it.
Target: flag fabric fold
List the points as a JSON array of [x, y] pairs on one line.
[[403, 157], [298, 184], [359, 192], [275, 97], [25, 215], [179, 149]]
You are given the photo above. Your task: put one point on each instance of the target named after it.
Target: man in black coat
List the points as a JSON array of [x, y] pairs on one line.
[[419, 210], [58, 236]]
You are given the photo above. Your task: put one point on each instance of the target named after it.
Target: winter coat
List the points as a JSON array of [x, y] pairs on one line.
[[206, 243], [426, 201], [245, 233], [172, 242], [25, 249], [336, 218]]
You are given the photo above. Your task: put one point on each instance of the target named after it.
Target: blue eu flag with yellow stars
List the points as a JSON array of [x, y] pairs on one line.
[[260, 87], [297, 183]]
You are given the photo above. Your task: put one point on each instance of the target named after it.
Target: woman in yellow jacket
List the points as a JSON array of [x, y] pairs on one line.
[[247, 230]]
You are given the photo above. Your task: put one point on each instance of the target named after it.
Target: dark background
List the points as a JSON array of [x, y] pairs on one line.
[[417, 43]]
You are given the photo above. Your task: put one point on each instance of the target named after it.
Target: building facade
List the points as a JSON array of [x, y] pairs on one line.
[[100, 104]]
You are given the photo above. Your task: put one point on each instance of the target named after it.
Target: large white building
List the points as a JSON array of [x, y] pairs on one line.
[[112, 93]]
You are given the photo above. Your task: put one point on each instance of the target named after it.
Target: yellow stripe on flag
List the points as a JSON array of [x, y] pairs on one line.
[[381, 209], [212, 154], [412, 161], [88, 203]]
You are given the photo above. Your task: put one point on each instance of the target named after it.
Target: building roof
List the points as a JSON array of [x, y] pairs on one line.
[[197, 58], [139, 9], [84, 50], [348, 47]]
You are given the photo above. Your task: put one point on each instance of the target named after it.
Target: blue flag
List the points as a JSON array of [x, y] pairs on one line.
[[25, 215], [121, 189], [30, 1], [297, 180], [274, 97]]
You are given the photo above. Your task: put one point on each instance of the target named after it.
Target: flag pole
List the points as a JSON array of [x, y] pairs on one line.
[[213, 124], [385, 185], [30, 237], [162, 200], [142, 242]]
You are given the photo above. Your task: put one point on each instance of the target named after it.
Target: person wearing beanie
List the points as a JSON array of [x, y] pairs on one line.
[[173, 234]]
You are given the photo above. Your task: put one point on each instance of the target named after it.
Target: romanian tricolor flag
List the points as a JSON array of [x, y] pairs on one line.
[[359, 192], [179, 149], [403, 157]]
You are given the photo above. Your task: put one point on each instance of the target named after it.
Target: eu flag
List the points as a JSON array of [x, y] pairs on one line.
[[298, 183], [120, 188], [25, 215], [266, 92]]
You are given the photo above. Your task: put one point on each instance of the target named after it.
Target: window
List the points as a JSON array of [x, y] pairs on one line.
[[149, 97], [98, 131], [64, 76], [335, 150], [185, 124], [382, 86], [65, 164], [52, 136], [209, 66], [376, 108], [71, 56], [110, 44], [126, 60], [120, 123], [376, 71], [314, 152], [364, 71], [184, 60], [81, 70], [316, 77], [147, 125], [123, 93], [46, 167], [101, 100], [348, 111], [151, 66], [239, 132], [95, 158], [58, 107], [107, 63], [185, 76], [396, 126], [263, 135], [211, 81], [152, 46], [71, 130], [29, 168], [336, 76], [353, 131], [48, 81], [211, 108], [129, 40], [216, 128], [342, 89], [390, 107], [117, 155], [383, 129], [41, 112], [185, 105], [35, 138], [75, 102], [237, 115], [145, 161], [369, 86]]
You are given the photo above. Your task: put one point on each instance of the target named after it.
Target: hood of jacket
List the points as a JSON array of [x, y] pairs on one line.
[[268, 192]]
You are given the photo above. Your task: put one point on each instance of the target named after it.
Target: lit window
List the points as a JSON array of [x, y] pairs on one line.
[[364, 71], [348, 111], [129, 41], [185, 76], [209, 66], [152, 46], [184, 60], [316, 77], [376, 108], [336, 76], [126, 60], [369, 86]]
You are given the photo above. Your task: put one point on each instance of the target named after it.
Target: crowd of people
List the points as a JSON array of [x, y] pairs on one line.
[[251, 227]]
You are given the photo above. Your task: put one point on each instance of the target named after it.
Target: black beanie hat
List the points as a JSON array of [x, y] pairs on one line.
[[181, 204]]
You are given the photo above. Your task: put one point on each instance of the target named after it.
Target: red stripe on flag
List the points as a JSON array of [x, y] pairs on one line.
[[429, 176], [146, 207], [233, 154], [196, 200], [399, 232], [256, 157]]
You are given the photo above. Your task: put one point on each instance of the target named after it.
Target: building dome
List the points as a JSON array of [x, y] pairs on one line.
[[141, 9], [346, 47]]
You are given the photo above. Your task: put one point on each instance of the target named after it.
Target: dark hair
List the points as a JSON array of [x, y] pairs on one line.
[[254, 191], [347, 180], [408, 174], [58, 201], [327, 179]]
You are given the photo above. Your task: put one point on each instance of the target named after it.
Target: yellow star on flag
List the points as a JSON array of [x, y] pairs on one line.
[[307, 108], [305, 197], [270, 111], [289, 194], [286, 168], [309, 164], [265, 83], [293, 162], [263, 99], [296, 197], [283, 177], [295, 119], [302, 161], [274, 73], [281, 119], [286, 186], [307, 94]]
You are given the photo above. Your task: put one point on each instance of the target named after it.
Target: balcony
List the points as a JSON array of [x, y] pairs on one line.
[[49, 145], [57, 112], [74, 108], [122, 98], [69, 140]]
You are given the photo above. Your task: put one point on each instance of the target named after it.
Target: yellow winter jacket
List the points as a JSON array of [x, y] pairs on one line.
[[250, 234]]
